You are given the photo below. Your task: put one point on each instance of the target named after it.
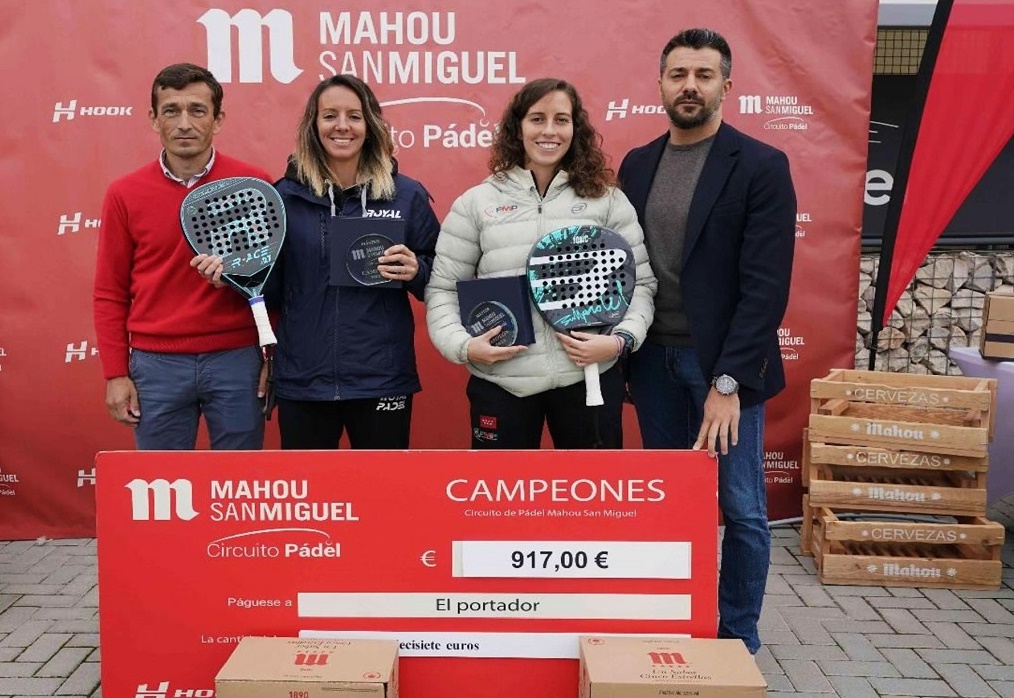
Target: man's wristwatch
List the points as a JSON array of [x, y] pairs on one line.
[[725, 384]]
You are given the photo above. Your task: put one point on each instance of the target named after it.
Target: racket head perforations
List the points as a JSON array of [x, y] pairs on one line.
[[240, 219], [581, 276]]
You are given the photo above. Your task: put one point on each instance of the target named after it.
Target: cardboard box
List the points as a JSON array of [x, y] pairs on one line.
[[997, 339], [283, 667], [649, 667]]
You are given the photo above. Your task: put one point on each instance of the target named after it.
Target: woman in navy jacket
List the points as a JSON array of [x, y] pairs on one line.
[[345, 358]]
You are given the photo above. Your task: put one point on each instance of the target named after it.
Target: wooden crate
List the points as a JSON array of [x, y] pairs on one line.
[[961, 555], [806, 529], [821, 458], [938, 414], [945, 492]]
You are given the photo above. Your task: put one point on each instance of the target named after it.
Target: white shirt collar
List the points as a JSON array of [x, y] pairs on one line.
[[188, 183]]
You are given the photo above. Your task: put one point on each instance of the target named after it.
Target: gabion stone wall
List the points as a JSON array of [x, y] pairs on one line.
[[942, 308]]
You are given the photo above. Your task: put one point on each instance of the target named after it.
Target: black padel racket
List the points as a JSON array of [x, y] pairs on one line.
[[241, 220], [582, 277]]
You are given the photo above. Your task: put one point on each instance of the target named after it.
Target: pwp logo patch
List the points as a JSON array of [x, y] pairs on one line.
[[250, 25], [162, 499], [496, 211]]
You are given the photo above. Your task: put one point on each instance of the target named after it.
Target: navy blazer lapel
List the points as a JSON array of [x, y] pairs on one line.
[[638, 189], [717, 167]]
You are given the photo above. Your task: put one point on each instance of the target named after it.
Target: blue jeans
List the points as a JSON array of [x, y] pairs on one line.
[[668, 390], [174, 390]]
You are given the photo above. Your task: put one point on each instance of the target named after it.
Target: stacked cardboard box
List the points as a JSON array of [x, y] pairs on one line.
[[284, 667], [997, 338], [899, 444], [650, 667]]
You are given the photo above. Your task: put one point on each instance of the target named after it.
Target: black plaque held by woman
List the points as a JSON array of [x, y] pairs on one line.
[[356, 244], [497, 302]]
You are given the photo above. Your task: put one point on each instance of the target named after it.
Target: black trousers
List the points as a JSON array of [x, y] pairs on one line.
[[502, 420], [373, 423]]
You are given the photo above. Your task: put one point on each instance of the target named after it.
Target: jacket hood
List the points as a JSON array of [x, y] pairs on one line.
[[333, 198], [292, 174]]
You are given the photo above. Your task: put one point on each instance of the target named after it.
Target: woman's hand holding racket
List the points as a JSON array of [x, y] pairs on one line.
[[588, 349]]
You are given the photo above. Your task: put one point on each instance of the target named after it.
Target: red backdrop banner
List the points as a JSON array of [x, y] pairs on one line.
[[482, 566], [976, 58], [444, 70]]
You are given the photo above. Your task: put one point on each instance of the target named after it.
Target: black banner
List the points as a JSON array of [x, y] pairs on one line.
[[985, 216]]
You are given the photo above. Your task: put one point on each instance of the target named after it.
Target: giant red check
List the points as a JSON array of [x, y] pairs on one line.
[[486, 566]]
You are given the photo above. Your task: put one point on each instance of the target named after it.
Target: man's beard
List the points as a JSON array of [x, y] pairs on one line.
[[705, 114]]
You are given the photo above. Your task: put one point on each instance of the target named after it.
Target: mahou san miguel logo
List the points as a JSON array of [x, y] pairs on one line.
[[160, 499], [7, 482], [790, 344], [381, 47], [234, 500], [786, 112], [250, 26], [666, 658]]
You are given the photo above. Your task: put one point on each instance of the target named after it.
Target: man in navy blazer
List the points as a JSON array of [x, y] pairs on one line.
[[718, 210]]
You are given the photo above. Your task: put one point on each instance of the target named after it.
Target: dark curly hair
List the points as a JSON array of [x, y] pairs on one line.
[[585, 163]]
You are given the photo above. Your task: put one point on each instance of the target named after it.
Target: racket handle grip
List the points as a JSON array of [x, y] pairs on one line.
[[593, 389], [265, 335]]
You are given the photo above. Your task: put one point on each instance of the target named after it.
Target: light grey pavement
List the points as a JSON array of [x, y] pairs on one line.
[[826, 641]]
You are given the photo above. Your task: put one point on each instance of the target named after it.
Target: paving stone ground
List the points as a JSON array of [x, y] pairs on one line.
[[824, 641]]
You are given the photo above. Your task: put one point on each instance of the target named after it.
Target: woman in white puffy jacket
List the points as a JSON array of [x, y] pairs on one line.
[[548, 171]]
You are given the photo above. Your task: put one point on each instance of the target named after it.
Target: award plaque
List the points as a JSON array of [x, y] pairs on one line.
[[355, 246], [489, 314], [497, 302], [361, 259]]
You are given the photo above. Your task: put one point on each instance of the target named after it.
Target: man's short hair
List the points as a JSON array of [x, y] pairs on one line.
[[698, 39], [179, 75]]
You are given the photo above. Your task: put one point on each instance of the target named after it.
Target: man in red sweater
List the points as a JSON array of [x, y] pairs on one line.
[[174, 347]]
